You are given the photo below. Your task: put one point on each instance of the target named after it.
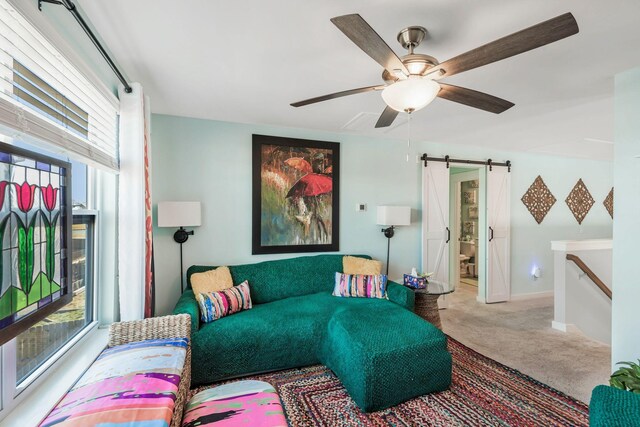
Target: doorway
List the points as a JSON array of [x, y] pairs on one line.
[[444, 236], [466, 258]]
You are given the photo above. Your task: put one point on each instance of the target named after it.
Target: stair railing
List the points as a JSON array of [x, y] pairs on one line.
[[590, 274]]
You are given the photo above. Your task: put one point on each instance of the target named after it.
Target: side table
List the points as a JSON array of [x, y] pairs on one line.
[[426, 303]]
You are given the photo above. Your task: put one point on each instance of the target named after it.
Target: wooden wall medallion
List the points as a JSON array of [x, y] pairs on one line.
[[538, 199], [579, 201], [608, 202]]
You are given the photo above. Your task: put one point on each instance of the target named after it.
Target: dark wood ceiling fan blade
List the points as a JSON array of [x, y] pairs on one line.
[[473, 98], [525, 40], [365, 37], [336, 95], [387, 117]]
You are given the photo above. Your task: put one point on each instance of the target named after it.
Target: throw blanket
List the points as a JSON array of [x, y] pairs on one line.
[[133, 385]]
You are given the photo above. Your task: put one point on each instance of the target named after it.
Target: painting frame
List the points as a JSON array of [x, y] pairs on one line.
[[259, 142], [22, 324]]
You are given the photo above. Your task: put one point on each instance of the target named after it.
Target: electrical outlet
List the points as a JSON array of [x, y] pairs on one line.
[[361, 207]]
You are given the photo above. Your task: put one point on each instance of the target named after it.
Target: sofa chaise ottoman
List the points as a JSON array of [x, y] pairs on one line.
[[296, 322]]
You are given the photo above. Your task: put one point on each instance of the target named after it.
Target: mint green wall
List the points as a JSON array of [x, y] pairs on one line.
[[625, 339], [210, 161]]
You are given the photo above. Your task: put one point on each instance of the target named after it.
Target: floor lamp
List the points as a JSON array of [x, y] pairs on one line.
[[391, 217], [179, 214]]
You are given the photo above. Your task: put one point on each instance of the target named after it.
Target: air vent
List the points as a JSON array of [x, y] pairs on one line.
[[361, 122]]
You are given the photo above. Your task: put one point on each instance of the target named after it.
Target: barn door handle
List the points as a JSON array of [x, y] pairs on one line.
[[490, 234], [448, 235]]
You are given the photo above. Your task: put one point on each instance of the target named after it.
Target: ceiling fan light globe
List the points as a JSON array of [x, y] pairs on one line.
[[411, 94]]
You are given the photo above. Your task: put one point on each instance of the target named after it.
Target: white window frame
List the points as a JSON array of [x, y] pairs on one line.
[[12, 394]]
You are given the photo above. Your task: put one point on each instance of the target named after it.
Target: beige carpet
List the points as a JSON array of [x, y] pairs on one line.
[[519, 334]]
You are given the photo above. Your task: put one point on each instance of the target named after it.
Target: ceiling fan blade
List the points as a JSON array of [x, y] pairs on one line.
[[336, 95], [365, 37], [386, 118], [528, 39], [473, 98]]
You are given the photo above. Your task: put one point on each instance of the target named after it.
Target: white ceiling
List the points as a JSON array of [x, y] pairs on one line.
[[245, 61]]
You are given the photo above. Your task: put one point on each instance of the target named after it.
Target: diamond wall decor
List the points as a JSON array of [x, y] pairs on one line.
[[608, 203], [538, 199], [579, 201]]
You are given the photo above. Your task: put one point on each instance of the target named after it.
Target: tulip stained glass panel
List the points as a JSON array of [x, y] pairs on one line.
[[34, 215], [295, 195]]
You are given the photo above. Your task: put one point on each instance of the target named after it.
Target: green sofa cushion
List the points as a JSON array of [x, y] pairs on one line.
[[282, 334], [612, 407]]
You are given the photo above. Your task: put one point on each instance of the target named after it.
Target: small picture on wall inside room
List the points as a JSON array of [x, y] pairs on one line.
[[469, 197], [473, 212], [469, 228], [295, 195]]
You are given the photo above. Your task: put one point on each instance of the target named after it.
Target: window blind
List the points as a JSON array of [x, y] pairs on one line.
[[45, 99]]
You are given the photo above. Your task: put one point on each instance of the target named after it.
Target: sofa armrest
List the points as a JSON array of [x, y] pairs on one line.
[[612, 407], [400, 295], [187, 304]]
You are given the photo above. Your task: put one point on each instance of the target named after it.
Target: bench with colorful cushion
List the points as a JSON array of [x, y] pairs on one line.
[[240, 403], [141, 379]]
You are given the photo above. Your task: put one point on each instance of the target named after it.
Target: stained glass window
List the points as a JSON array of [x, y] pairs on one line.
[[34, 232]]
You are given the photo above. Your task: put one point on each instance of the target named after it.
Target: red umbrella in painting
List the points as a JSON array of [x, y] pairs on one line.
[[312, 184], [309, 187], [299, 163]]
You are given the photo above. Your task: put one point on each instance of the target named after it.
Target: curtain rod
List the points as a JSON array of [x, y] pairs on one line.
[[74, 11], [448, 160]]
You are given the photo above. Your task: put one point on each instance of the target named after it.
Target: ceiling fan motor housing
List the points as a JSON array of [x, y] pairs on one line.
[[416, 63]]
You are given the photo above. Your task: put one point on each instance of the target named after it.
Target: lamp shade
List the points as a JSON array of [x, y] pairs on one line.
[[394, 215], [411, 94], [179, 214]]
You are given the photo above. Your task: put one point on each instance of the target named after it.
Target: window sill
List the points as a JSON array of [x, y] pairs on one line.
[[35, 402]]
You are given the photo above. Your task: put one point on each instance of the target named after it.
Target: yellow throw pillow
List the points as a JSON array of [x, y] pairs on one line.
[[355, 265], [215, 280]]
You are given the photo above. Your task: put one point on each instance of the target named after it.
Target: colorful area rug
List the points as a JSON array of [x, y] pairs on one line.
[[483, 393]]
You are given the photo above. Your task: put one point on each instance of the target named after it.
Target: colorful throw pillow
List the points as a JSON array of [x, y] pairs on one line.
[[361, 285], [356, 265], [214, 305], [215, 280]]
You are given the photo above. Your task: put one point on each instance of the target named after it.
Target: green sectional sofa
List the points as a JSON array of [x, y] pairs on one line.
[[382, 352], [612, 407]]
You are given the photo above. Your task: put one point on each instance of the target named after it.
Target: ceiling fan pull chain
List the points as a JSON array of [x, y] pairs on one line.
[[408, 134]]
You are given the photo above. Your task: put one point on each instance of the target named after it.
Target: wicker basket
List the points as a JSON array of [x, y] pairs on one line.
[[426, 306], [178, 326]]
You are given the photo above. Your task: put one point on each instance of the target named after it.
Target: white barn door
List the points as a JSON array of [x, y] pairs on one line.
[[498, 235], [436, 232]]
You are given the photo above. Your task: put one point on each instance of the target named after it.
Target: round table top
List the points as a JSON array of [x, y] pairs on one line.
[[435, 287]]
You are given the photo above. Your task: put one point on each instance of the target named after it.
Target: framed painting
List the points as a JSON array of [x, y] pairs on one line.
[[469, 197], [296, 185], [473, 212], [35, 234]]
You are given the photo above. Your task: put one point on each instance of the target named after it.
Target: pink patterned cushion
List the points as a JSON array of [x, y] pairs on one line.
[[214, 305], [133, 385], [241, 403]]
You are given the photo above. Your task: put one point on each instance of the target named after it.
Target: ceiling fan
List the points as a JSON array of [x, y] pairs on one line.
[[412, 82]]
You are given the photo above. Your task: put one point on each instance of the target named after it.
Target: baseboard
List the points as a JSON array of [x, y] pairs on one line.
[[533, 295], [559, 326], [568, 327]]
